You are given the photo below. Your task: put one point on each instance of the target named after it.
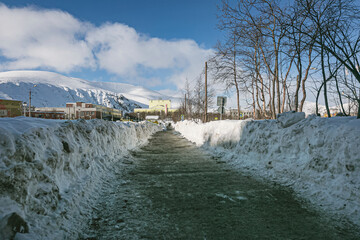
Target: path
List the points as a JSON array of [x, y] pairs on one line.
[[174, 190]]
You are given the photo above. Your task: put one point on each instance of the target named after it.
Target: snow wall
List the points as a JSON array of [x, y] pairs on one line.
[[49, 171], [319, 158]]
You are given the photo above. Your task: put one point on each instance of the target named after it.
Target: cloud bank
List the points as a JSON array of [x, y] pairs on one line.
[[32, 38]]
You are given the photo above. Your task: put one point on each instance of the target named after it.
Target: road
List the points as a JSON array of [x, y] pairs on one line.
[[173, 190]]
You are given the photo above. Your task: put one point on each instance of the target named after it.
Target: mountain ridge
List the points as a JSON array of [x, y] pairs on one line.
[[55, 90]]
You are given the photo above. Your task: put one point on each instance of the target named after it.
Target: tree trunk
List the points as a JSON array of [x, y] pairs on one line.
[[277, 81], [317, 99], [258, 76], [238, 100], [273, 100], [304, 95], [235, 80], [298, 81], [257, 94], [340, 96], [285, 87], [253, 97], [304, 80], [325, 80]]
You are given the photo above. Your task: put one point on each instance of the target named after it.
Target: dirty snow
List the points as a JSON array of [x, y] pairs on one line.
[[50, 170], [317, 157]]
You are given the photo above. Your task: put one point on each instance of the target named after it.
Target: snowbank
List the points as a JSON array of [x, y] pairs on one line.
[[50, 169], [318, 157]]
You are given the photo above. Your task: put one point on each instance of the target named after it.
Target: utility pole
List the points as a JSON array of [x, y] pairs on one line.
[[205, 117], [30, 103], [185, 103], [30, 100]]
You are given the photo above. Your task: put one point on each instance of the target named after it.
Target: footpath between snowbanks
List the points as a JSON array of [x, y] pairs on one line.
[[50, 171], [319, 158]]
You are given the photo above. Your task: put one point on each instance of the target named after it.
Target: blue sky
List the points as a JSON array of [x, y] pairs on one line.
[[169, 19], [161, 42]]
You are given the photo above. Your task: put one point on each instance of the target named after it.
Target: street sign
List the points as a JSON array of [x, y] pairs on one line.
[[221, 101]]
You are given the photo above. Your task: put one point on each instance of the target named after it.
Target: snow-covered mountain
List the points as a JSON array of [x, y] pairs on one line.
[[310, 108], [54, 90]]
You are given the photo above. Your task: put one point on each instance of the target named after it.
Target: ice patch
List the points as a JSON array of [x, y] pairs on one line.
[[224, 196]]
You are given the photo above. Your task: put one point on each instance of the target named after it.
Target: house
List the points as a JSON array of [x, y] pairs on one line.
[[235, 115], [157, 106], [10, 108], [48, 113], [91, 111], [77, 110], [80, 110]]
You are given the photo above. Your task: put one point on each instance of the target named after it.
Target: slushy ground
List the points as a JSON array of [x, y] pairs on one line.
[[172, 189]]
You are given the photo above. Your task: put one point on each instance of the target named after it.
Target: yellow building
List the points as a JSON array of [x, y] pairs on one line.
[[10, 108], [157, 106]]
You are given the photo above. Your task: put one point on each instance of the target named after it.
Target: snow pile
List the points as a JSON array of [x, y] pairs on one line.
[[318, 157], [220, 133], [50, 169], [289, 118]]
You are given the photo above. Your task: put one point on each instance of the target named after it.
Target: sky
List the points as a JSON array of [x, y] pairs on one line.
[[152, 43]]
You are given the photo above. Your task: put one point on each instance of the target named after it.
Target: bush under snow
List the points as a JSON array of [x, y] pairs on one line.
[[318, 157], [49, 169]]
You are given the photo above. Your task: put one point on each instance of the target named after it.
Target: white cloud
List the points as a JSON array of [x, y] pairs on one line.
[[121, 50], [52, 39], [31, 38], [172, 93]]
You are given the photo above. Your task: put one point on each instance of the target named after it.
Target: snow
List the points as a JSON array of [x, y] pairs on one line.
[[319, 158], [289, 118], [55, 90], [50, 170], [20, 125]]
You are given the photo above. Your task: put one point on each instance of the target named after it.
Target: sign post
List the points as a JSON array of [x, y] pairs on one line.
[[221, 102]]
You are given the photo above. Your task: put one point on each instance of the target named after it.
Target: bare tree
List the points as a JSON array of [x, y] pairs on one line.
[[301, 46], [277, 43], [198, 96], [333, 25], [224, 66], [259, 23], [189, 99]]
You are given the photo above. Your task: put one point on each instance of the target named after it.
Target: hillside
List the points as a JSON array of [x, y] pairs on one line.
[[54, 90]]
